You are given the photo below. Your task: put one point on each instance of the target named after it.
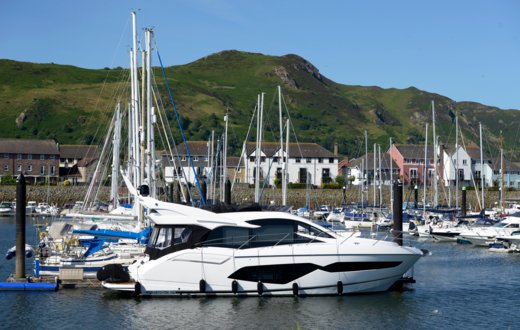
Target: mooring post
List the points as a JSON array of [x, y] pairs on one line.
[[416, 196], [177, 194], [20, 226], [204, 189], [188, 196], [170, 192], [397, 210], [227, 192], [464, 202]]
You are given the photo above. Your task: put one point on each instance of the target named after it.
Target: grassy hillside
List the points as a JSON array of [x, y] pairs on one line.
[[74, 105]]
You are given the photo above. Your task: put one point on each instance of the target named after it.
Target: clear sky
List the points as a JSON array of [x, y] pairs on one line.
[[467, 50]]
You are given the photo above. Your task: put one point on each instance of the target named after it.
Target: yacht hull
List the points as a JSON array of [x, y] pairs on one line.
[[278, 270]]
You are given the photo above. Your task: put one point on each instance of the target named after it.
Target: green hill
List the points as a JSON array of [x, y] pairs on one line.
[[74, 105]]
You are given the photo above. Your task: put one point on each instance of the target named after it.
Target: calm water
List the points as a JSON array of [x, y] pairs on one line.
[[458, 286]]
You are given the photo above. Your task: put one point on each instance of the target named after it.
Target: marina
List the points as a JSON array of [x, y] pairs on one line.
[[457, 286]]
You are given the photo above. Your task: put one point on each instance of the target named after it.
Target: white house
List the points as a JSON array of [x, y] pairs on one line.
[[185, 172], [307, 163], [469, 167]]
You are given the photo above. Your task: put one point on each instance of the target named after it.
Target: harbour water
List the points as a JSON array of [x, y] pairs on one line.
[[458, 287]]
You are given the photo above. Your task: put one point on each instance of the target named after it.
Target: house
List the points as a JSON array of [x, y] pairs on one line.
[[180, 168], [467, 162], [38, 160], [307, 163], [511, 173], [410, 159], [77, 162], [356, 169]]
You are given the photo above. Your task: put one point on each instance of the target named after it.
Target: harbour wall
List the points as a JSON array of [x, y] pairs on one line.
[[61, 195]]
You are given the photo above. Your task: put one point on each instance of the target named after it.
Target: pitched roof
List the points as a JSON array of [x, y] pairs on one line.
[[508, 165], [78, 151], [28, 146], [196, 148], [385, 161], [295, 150], [414, 151]]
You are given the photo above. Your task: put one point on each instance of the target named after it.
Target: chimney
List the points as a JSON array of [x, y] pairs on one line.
[[335, 149]]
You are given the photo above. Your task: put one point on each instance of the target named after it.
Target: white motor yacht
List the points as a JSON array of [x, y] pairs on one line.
[[486, 235], [197, 252]]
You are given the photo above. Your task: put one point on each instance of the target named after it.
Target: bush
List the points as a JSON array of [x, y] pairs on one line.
[[8, 180], [66, 183], [331, 186]]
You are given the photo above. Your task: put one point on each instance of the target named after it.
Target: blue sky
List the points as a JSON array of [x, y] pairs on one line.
[[467, 50]]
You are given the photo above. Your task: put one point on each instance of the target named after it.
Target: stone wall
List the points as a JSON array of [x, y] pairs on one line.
[[61, 195]]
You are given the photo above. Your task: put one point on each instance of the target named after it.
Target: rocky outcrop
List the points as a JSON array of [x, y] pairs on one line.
[[21, 119], [285, 77]]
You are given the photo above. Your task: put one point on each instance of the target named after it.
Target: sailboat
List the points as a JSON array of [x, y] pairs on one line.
[[85, 241]]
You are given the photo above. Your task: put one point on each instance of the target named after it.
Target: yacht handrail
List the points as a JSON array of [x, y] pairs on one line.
[[282, 239], [246, 242]]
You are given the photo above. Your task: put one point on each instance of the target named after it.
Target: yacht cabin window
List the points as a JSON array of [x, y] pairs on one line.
[[164, 237]]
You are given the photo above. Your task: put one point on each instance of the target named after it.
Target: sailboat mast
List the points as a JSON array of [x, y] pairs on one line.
[[375, 158], [425, 168], [135, 103], [482, 184], [457, 163], [258, 146], [114, 196], [380, 178], [502, 187], [285, 182], [366, 169], [435, 183], [150, 143], [224, 157], [391, 175], [281, 141]]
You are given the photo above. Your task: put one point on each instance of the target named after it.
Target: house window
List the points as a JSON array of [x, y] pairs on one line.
[[42, 157], [320, 160], [52, 157], [298, 160], [237, 180], [413, 173], [42, 169], [19, 167], [302, 175], [29, 168], [464, 161], [276, 159], [195, 158], [29, 156], [6, 168], [183, 158], [308, 160], [262, 159], [251, 159], [331, 160], [53, 170], [6, 156], [325, 176], [18, 156]]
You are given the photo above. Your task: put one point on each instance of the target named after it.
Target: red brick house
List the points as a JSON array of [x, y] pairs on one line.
[[38, 160]]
